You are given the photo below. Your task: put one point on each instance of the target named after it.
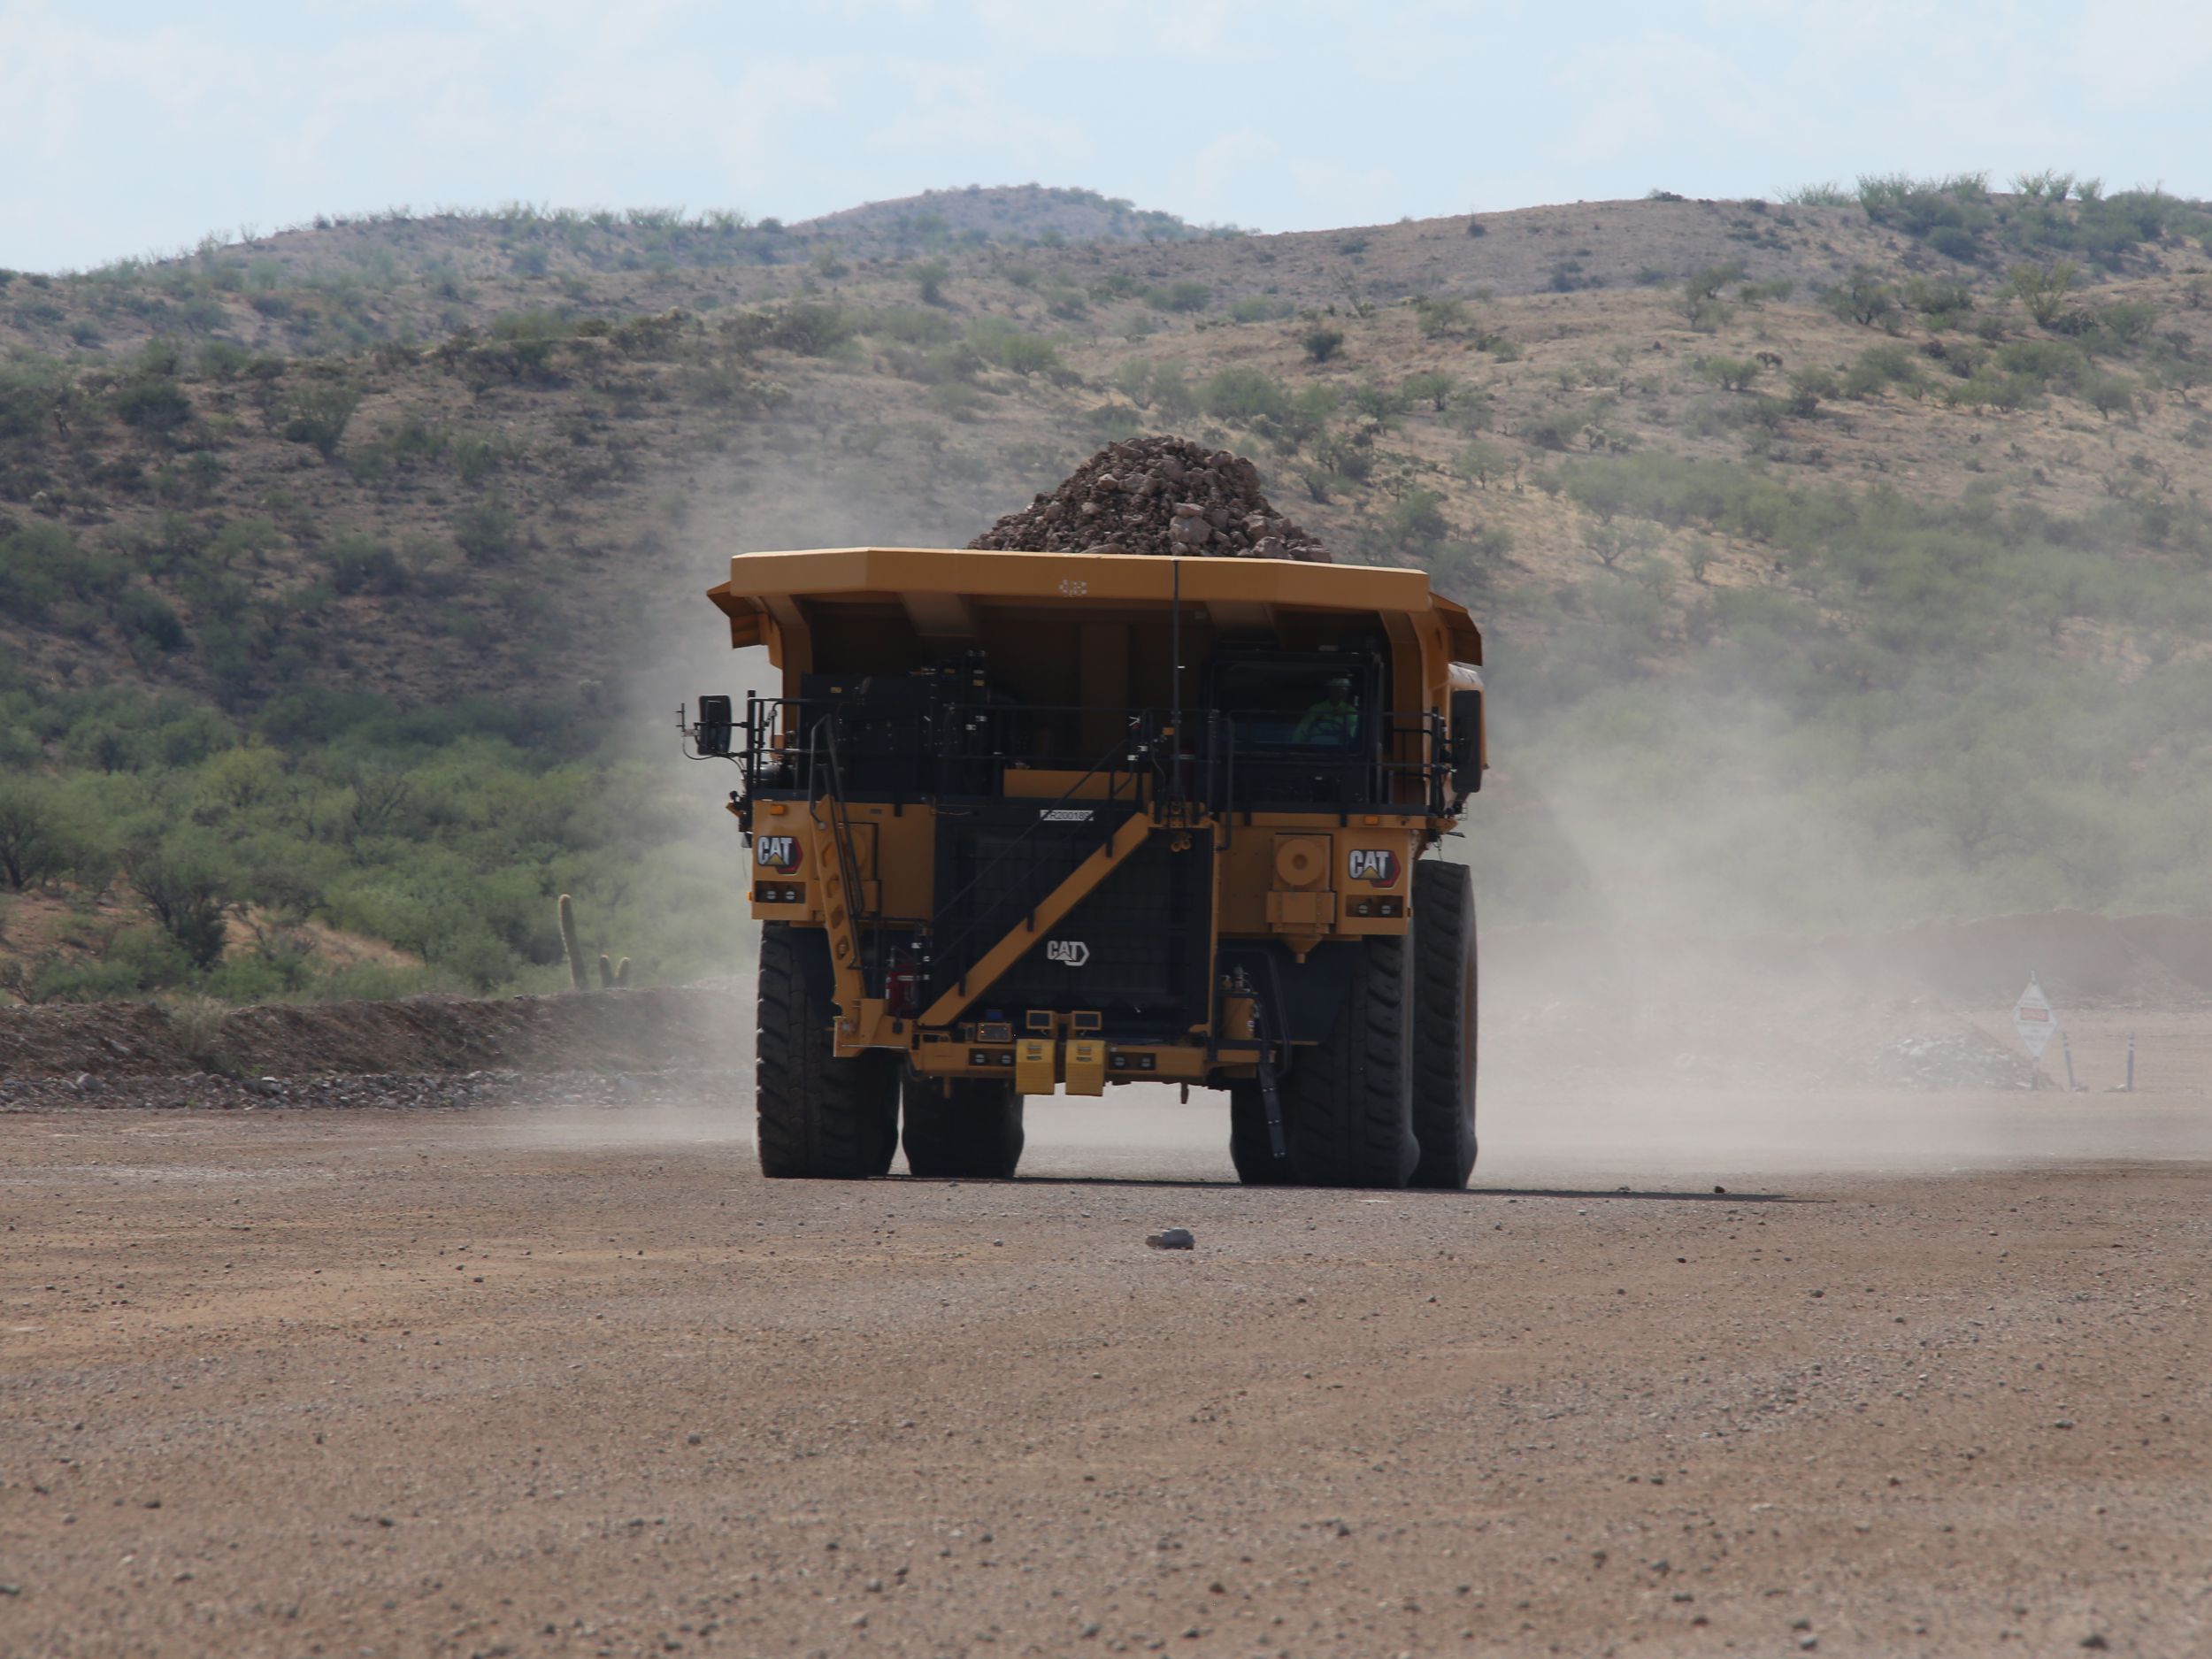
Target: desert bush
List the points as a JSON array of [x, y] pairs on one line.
[[2043, 288], [1863, 297], [813, 329], [1183, 296], [1809, 387], [183, 883], [1731, 374], [930, 277], [140, 613], [1005, 345], [485, 530], [1321, 344], [1439, 316], [1415, 524], [360, 563], [1826, 193], [911, 326], [1243, 394], [319, 413], [149, 399], [1432, 387], [2109, 395], [1879, 366], [32, 845], [1956, 242]]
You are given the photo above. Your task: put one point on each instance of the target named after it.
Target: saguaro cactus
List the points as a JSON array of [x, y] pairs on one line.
[[612, 975], [568, 942]]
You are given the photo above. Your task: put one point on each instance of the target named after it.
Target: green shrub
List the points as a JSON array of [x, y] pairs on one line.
[[2043, 288], [911, 326], [1731, 374], [485, 530], [151, 401], [318, 414], [33, 847], [1808, 389], [1432, 387], [183, 881], [1863, 297], [809, 329], [930, 277], [143, 614], [1879, 366], [1183, 297], [1954, 241], [1321, 344], [1002, 344], [1415, 524], [1438, 317], [358, 563]]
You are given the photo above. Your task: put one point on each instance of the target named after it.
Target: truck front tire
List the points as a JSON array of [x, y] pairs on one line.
[[819, 1117], [1444, 1023], [1347, 1102], [964, 1129]]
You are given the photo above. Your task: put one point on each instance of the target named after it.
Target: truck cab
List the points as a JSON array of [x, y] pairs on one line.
[[1018, 823]]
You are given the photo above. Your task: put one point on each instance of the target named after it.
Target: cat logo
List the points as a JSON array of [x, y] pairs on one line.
[[778, 852], [1071, 953], [1376, 864]]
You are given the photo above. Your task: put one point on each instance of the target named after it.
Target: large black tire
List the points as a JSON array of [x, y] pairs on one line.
[[820, 1116], [971, 1132], [1249, 1149], [1444, 1023], [1348, 1102]]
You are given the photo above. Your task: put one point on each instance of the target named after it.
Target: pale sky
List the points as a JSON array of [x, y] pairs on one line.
[[128, 127]]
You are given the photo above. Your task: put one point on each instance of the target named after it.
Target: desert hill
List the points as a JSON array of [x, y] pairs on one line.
[[1906, 490]]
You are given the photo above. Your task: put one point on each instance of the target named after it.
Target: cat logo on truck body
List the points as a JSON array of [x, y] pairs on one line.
[[779, 852], [1375, 864]]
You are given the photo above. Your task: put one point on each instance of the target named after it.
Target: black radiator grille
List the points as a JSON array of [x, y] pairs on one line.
[[1134, 950]]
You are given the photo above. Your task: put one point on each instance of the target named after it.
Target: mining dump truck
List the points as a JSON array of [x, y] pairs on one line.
[[1025, 822]]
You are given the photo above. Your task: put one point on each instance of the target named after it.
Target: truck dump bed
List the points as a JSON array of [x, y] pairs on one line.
[[1067, 820]]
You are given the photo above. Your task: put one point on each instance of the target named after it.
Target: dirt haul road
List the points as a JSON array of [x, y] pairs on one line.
[[535, 1382]]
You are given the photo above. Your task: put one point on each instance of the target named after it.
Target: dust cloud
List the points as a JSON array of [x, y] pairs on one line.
[[1691, 965]]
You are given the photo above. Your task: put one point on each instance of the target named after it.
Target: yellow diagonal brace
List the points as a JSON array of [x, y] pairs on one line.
[[833, 879], [1080, 883]]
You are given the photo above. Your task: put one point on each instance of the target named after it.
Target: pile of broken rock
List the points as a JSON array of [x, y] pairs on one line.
[[1159, 496]]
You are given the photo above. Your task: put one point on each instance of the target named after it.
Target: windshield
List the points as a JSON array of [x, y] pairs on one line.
[[1313, 703]]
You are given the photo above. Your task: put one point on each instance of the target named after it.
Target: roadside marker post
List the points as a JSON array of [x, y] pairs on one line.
[[2035, 1022]]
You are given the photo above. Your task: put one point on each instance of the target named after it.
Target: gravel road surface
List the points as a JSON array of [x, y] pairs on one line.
[[1930, 1377]]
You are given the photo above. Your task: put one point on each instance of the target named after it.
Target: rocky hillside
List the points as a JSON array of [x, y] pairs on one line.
[[1903, 492]]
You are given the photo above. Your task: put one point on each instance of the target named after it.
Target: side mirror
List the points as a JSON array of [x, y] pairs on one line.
[[1467, 743], [715, 725]]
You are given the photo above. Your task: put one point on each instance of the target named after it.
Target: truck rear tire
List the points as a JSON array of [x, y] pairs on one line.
[[971, 1132], [1348, 1102], [1249, 1150], [820, 1118], [1444, 1023]]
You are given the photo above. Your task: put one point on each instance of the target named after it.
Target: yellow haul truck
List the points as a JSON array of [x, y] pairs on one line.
[[1022, 822]]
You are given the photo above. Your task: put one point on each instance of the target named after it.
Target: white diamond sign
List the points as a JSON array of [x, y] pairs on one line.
[[2032, 1018]]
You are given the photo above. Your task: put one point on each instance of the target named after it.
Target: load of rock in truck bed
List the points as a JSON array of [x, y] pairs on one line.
[[1156, 495]]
